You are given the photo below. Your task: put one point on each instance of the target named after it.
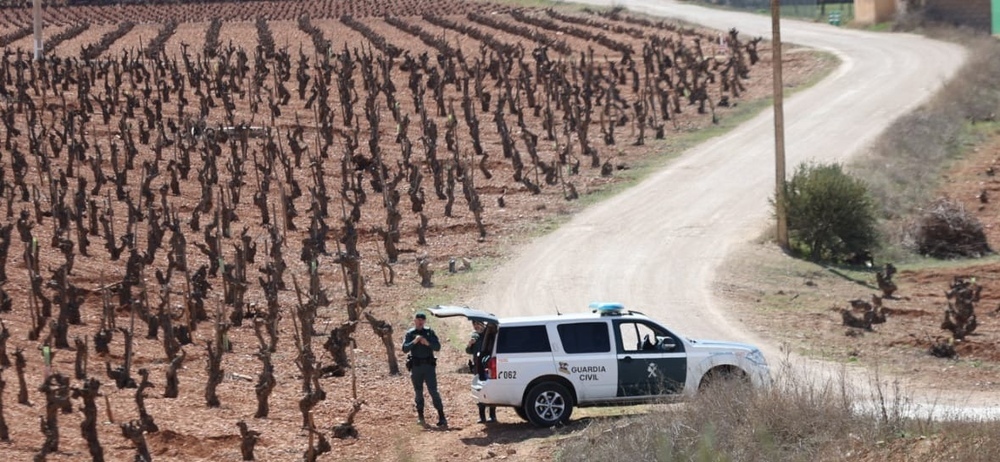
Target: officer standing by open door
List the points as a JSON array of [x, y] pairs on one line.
[[474, 346], [420, 343]]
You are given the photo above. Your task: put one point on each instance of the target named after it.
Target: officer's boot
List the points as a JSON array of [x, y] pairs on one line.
[[493, 414], [442, 422], [420, 416], [482, 412]]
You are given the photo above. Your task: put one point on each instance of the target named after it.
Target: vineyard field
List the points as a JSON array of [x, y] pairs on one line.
[[261, 184]]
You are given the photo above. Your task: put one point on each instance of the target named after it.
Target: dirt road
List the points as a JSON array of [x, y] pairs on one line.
[[657, 246]]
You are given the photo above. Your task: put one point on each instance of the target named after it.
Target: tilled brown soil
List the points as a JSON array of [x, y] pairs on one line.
[[191, 431]]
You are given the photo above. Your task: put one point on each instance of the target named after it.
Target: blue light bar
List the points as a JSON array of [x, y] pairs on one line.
[[607, 307]]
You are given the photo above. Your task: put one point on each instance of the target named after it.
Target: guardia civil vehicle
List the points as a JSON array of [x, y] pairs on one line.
[[544, 366]]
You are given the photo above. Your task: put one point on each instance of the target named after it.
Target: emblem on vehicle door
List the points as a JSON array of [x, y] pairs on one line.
[[652, 370], [564, 367]]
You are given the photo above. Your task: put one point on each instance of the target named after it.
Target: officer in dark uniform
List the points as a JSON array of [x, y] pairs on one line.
[[474, 346], [421, 342]]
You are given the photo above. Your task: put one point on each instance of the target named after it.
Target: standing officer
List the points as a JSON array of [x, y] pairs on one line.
[[474, 346], [421, 343]]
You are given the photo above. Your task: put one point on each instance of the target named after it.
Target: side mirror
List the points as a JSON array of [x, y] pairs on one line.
[[667, 344]]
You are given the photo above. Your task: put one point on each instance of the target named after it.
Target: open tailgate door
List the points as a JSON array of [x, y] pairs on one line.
[[448, 311]]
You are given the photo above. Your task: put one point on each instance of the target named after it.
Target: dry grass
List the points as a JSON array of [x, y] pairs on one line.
[[797, 419], [802, 419], [904, 167]]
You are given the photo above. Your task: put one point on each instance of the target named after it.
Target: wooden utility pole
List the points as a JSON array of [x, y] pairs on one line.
[[37, 21], [779, 126]]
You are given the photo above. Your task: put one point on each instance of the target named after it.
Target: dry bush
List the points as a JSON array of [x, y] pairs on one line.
[[975, 92], [796, 419], [947, 230], [968, 442]]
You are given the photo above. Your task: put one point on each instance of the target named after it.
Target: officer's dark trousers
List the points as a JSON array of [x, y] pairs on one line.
[[482, 411], [419, 375]]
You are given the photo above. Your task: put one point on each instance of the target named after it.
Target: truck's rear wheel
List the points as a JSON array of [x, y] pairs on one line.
[[548, 404]]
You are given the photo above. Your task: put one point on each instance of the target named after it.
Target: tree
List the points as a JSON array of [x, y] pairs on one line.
[[831, 215]]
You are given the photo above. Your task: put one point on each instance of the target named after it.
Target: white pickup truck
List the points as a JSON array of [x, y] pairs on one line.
[[544, 366]]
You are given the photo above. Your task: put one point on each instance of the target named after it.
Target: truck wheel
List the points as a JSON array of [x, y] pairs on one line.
[[520, 412], [548, 404], [723, 377]]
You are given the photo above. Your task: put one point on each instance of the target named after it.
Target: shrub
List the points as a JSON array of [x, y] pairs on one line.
[[831, 215], [796, 419], [947, 230]]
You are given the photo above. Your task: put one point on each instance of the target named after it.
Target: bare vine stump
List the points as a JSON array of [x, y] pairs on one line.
[[943, 349], [388, 272], [423, 269], [4, 335], [960, 317], [864, 322], [19, 364], [571, 193], [215, 376], [309, 401], [183, 335], [265, 384], [337, 344], [258, 331], [63, 393], [102, 339], [171, 389], [133, 431], [4, 431], [222, 342], [321, 447], [885, 282], [148, 424], [122, 374], [248, 439], [422, 230], [80, 365], [51, 443], [170, 344], [872, 313], [384, 331], [56, 390], [88, 427], [346, 429]]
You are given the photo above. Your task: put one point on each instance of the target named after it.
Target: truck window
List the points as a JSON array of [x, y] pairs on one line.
[[523, 339], [636, 336], [585, 337], [643, 336]]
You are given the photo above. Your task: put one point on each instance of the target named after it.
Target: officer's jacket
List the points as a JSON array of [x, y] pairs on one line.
[[419, 350], [477, 345]]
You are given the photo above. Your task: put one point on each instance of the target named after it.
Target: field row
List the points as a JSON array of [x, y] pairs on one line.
[[237, 11], [288, 35]]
